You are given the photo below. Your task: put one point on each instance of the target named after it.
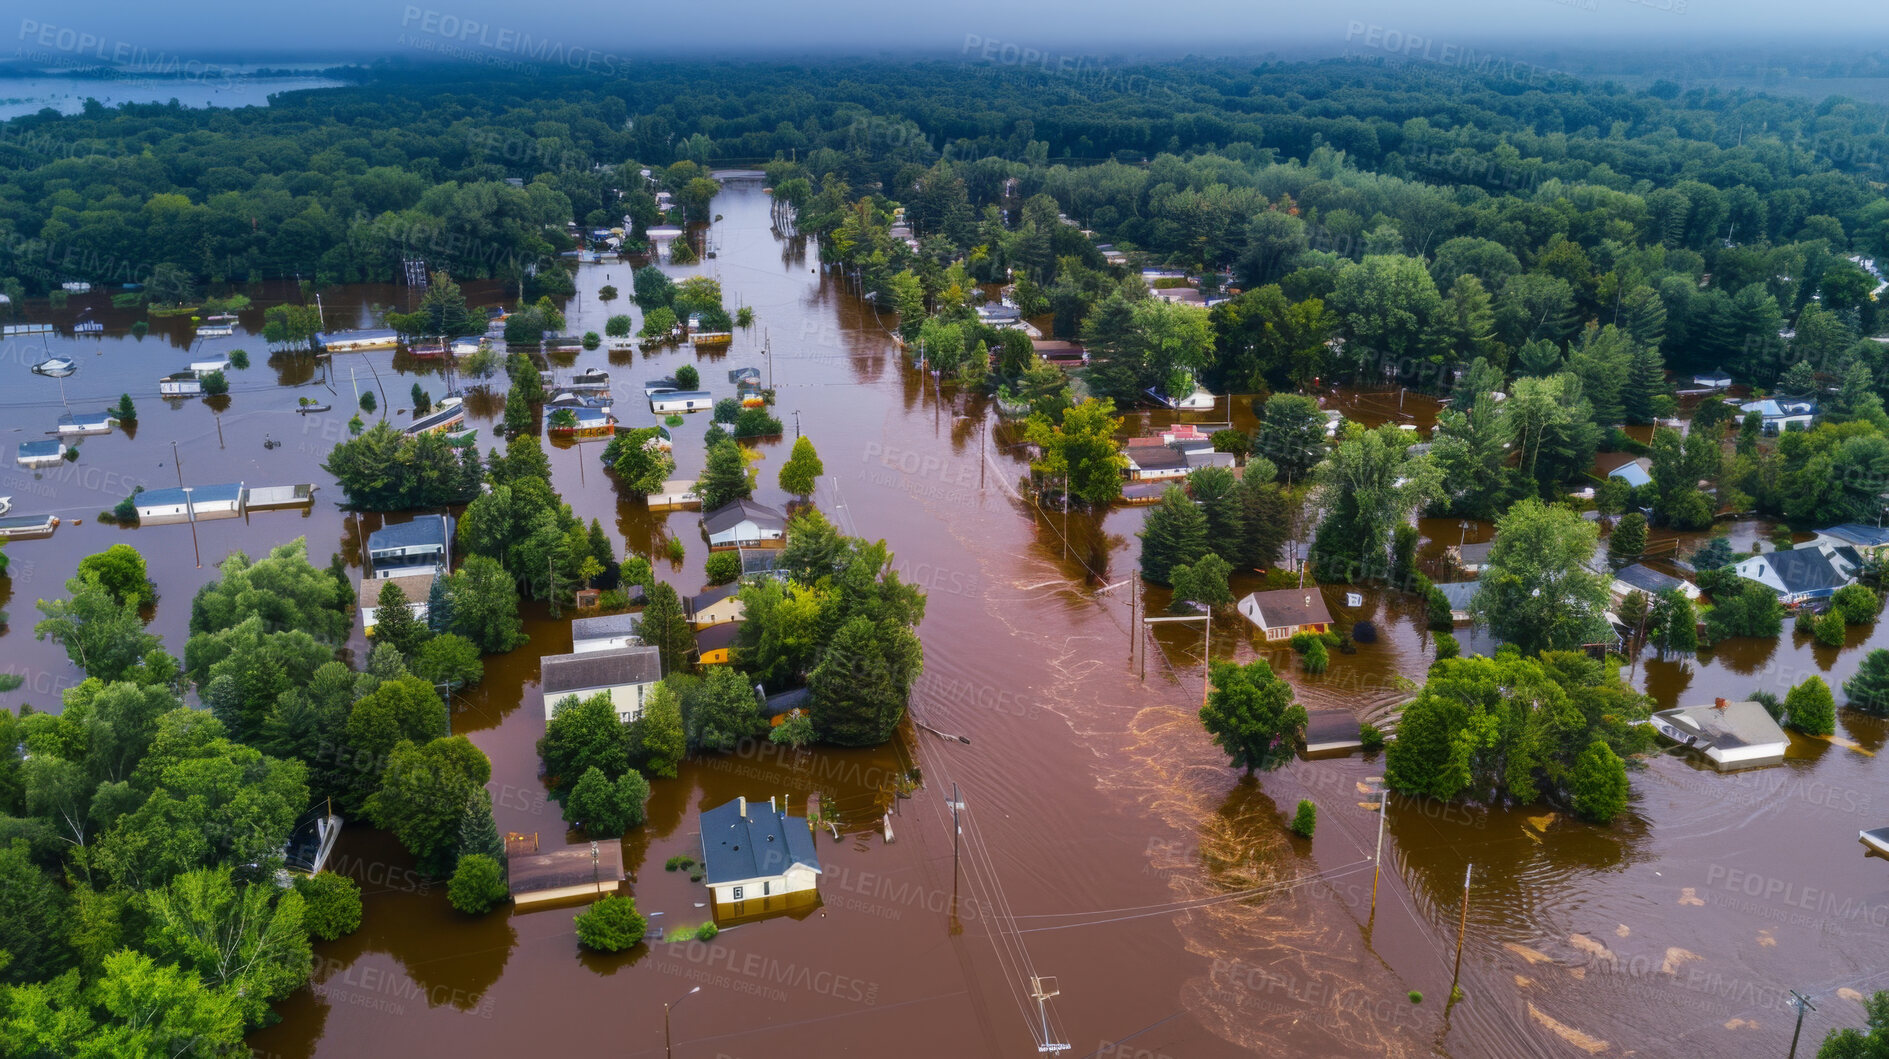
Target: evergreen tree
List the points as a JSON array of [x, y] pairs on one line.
[[1265, 522], [1175, 535], [518, 417], [861, 686], [1628, 540], [1291, 434], [665, 628], [600, 550], [1645, 395], [1674, 623], [725, 478], [657, 740], [802, 470], [1216, 490], [1868, 690], [439, 606], [394, 622], [478, 832]]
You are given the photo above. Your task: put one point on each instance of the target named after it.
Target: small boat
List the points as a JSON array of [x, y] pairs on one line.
[[1876, 839], [309, 408], [56, 367]]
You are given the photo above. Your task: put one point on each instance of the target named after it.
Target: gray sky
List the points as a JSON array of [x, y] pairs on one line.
[[337, 29]]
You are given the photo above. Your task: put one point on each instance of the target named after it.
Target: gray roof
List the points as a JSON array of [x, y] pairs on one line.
[[1859, 534], [760, 845], [201, 494], [711, 597], [1647, 579], [716, 637], [758, 560], [782, 701], [605, 626], [1631, 473], [600, 669], [419, 533], [1475, 553], [1156, 457], [1805, 570], [1459, 593], [1738, 724], [732, 514]]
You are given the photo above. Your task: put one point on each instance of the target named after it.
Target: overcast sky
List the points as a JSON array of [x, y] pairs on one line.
[[261, 29]]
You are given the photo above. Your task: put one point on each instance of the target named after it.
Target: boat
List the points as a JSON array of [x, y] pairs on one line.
[[1876, 839], [427, 350], [310, 408], [56, 367]]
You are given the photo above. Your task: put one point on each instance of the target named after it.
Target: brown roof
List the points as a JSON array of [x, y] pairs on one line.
[[600, 669], [570, 866], [417, 587], [1286, 607]]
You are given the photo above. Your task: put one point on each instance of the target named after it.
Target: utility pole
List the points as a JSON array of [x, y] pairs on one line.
[[1206, 662], [1462, 927], [1800, 1002], [175, 463], [1042, 989], [190, 509], [956, 804], [1377, 859]]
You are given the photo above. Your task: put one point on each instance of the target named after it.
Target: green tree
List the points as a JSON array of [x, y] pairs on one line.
[[657, 740], [665, 628], [724, 478], [802, 471], [1204, 582], [602, 807], [1856, 603], [332, 904], [1599, 783], [640, 463], [1175, 534], [720, 711], [102, 636], [1251, 716], [477, 885], [485, 605], [424, 792], [395, 623], [449, 659], [120, 569], [583, 735], [1305, 821], [1810, 708], [1745, 608], [1369, 486], [1628, 540], [1868, 690], [1872, 1042], [1080, 456], [687, 378], [1673, 623], [863, 682], [137, 1007], [723, 567], [33, 919], [1291, 434], [247, 938], [610, 925], [1537, 592], [405, 709]]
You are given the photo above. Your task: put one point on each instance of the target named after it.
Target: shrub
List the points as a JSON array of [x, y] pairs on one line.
[[1415, 997], [1370, 736], [678, 861], [723, 567], [1771, 703], [610, 925], [673, 420], [1305, 820], [332, 904], [368, 403], [478, 883], [1856, 603], [1303, 641], [1810, 708], [1317, 658], [592, 340], [1830, 630], [1447, 646], [675, 550], [239, 359], [687, 378], [1599, 783], [1805, 623], [215, 385]]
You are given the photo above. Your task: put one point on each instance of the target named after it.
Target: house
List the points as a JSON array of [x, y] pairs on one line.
[[201, 503], [1198, 401], [201, 368], [1731, 735], [591, 870], [41, 453], [781, 705], [440, 420], [580, 421], [1283, 612], [357, 341], [1471, 558], [180, 384], [717, 606], [74, 424], [1649, 582], [1179, 295], [418, 589], [1459, 593], [1798, 575], [606, 632], [626, 674], [1635, 473], [749, 855], [13, 526], [590, 380], [761, 562], [1198, 458], [715, 645], [1060, 353], [1782, 413], [681, 401], [1712, 380], [1867, 541], [424, 545], [676, 493], [1148, 463], [743, 522]]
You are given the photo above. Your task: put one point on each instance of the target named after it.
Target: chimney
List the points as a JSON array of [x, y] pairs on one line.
[[770, 803], [1719, 704], [743, 802]]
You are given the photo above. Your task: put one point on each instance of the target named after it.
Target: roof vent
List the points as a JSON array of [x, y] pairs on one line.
[[1719, 704]]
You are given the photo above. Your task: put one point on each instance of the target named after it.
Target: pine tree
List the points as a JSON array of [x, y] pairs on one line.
[[802, 470], [478, 832], [439, 606], [1645, 395], [600, 550], [1264, 523], [1628, 541], [518, 417], [1175, 535], [725, 478], [665, 628], [1216, 490], [394, 623]]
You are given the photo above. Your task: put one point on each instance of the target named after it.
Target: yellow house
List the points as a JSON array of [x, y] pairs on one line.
[[715, 645], [717, 606]]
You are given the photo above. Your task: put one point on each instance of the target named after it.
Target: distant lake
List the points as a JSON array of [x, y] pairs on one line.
[[207, 85]]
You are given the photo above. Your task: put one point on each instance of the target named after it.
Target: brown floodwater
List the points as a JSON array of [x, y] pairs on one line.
[[1104, 843]]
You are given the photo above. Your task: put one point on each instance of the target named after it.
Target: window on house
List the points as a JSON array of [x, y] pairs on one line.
[[764, 888]]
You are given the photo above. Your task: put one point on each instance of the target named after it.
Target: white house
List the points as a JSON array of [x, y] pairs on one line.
[[1782, 413], [742, 523], [717, 606], [607, 632], [203, 502], [1283, 612], [626, 674], [82, 423], [41, 453], [749, 855], [356, 341], [1153, 462], [681, 401], [1868, 541], [180, 384], [200, 368], [417, 587], [424, 545], [1801, 574], [1731, 735]]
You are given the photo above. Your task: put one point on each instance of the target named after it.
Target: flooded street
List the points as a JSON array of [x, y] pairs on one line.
[[1105, 844]]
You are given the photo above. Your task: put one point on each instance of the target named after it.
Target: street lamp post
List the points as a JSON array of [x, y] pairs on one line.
[[667, 1051]]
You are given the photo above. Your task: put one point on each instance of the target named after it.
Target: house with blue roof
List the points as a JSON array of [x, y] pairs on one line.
[[1635, 473], [1782, 413], [422, 546], [749, 856], [1868, 541], [190, 503], [1801, 575]]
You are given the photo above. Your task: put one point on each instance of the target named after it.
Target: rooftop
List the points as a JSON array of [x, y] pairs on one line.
[[571, 866], [715, 595], [605, 627], [561, 674], [1647, 579], [1285, 607], [1738, 724], [1804, 569], [717, 637], [733, 514], [431, 530], [742, 840], [1859, 535], [223, 493]]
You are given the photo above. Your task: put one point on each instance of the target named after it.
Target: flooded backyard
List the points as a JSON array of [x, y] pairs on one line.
[[1105, 844]]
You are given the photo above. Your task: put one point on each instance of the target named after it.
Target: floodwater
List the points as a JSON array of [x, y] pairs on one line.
[[1104, 844], [191, 81]]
